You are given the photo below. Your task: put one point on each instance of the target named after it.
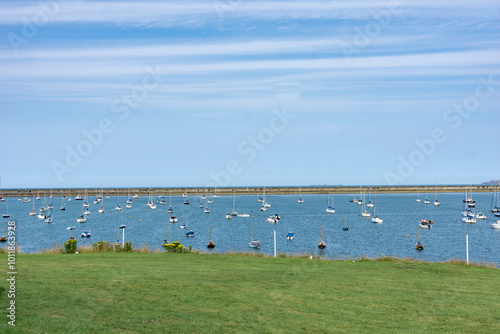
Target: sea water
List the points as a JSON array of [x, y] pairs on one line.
[[396, 236]]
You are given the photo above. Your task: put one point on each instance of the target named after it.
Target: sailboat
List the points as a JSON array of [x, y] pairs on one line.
[[207, 210], [33, 211], [259, 199], [4, 238], [419, 245], [300, 200], [48, 219], [370, 203], [44, 208], [118, 207], [215, 191], [234, 212], [364, 213], [264, 203], [470, 202], [201, 202], [170, 210], [436, 202], [86, 199], [426, 201], [495, 209], [129, 199], [253, 243], [81, 219], [63, 208], [165, 242], [329, 208], [360, 202], [344, 226], [210, 244], [186, 201], [376, 219], [322, 244], [50, 206], [101, 210], [6, 214], [38, 194], [418, 196], [151, 204], [26, 199]]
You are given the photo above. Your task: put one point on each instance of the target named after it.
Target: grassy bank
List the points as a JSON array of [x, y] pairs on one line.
[[190, 293]]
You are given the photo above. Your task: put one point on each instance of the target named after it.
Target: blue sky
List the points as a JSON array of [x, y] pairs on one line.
[[247, 92]]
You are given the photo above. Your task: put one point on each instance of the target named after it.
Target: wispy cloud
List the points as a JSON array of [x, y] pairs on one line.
[[171, 13]]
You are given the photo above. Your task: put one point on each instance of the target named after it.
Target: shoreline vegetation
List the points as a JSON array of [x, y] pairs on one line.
[[110, 247], [251, 190], [130, 292]]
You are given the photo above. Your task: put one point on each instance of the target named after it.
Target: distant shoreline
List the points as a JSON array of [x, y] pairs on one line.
[[251, 190]]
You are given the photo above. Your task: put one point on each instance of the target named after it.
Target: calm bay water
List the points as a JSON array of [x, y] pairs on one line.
[[395, 237]]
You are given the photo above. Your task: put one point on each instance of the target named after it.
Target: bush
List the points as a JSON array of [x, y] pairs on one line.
[[175, 247], [106, 246], [69, 246]]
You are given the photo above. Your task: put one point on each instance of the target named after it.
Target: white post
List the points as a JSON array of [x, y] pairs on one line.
[[467, 246], [274, 243], [123, 238]]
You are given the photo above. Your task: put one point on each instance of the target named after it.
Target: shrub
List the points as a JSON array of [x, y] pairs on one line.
[[176, 247], [69, 246]]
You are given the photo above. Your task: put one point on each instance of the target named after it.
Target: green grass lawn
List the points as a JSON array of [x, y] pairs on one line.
[[196, 293]]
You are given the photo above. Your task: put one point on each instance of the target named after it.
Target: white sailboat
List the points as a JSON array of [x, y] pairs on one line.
[[264, 203], [118, 207], [215, 191], [364, 213], [207, 210], [101, 210], [370, 203], [26, 199], [253, 243], [300, 200], [376, 219], [33, 211], [170, 210], [329, 208], [436, 202], [426, 200], [360, 202], [418, 196], [129, 199], [234, 212], [38, 194], [63, 208]]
